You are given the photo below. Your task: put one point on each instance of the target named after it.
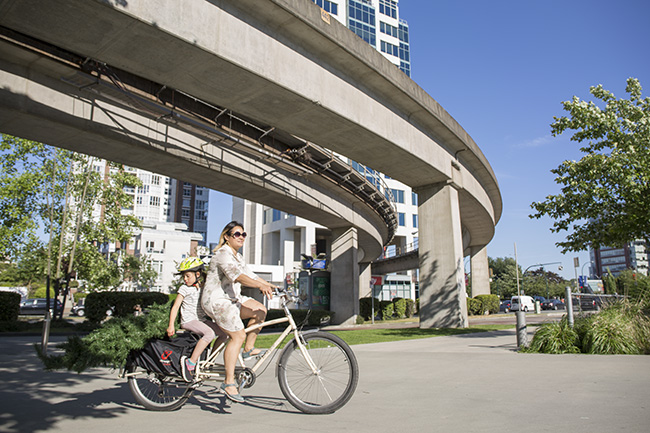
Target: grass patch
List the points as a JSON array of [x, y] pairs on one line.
[[367, 336]]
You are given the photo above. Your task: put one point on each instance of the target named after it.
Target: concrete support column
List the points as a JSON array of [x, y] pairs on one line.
[[480, 271], [344, 282], [443, 301], [365, 272]]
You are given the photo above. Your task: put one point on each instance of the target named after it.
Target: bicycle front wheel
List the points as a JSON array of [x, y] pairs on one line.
[[334, 381], [156, 391]]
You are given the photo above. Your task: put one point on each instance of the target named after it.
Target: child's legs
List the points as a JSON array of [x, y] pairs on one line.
[[256, 312], [207, 335]]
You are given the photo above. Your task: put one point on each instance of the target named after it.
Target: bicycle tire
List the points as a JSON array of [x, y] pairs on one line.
[[156, 391], [335, 383]]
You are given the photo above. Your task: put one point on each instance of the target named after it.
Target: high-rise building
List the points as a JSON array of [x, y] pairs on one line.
[[277, 240], [633, 255], [378, 23], [174, 215]]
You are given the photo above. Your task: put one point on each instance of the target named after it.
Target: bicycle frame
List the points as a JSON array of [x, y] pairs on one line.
[[203, 367]]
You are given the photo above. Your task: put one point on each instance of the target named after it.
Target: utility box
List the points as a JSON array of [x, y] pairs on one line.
[[314, 288]]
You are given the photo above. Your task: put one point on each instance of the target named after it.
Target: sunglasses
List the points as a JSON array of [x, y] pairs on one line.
[[238, 234]]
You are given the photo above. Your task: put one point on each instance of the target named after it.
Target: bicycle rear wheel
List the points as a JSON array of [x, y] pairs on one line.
[[334, 381], [156, 391]]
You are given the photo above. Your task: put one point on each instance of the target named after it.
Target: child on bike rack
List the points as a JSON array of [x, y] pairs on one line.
[[193, 318]]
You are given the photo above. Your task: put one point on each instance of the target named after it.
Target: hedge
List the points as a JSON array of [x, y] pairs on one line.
[[387, 309], [9, 306], [122, 303], [365, 307], [481, 304]]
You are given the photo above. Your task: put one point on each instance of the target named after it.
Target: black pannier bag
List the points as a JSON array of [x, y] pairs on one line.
[[164, 356]]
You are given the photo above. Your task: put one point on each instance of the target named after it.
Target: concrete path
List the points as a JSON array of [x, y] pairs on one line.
[[467, 383]]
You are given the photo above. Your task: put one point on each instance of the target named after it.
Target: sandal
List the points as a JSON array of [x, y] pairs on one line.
[[249, 354], [236, 398]]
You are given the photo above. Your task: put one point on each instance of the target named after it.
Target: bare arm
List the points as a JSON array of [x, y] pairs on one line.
[[265, 287], [171, 329]]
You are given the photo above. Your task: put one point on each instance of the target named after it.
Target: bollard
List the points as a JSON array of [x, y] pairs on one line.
[[569, 305], [46, 331], [522, 335]]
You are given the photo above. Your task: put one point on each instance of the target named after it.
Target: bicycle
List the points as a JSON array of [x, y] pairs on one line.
[[317, 371]]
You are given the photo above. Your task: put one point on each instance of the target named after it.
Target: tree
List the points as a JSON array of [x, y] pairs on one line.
[[504, 276], [40, 184], [605, 196]]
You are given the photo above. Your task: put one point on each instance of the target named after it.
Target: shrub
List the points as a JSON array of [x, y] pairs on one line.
[[555, 337], [41, 292], [122, 303], [617, 329], [387, 309], [474, 306], [489, 303], [365, 307], [9, 306], [399, 307], [410, 307]]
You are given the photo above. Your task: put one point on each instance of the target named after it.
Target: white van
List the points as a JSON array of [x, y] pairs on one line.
[[527, 303]]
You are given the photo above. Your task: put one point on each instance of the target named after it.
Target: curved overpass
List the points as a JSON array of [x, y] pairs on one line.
[[280, 64]]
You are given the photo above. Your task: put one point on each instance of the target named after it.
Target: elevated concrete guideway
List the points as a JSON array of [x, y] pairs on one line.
[[279, 63]]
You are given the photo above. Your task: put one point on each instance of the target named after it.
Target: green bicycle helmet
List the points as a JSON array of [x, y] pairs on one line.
[[191, 264]]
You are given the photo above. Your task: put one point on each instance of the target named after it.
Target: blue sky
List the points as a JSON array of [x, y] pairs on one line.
[[502, 68]]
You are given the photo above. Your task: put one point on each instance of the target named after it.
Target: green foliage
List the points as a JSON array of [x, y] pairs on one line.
[[605, 196], [489, 303], [399, 307], [41, 292], [474, 307], [122, 303], [9, 306], [110, 344], [365, 307], [619, 328], [387, 309], [555, 337], [410, 308]]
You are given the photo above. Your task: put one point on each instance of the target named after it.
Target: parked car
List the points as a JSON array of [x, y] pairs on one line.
[[527, 303], [80, 309], [587, 302], [553, 304], [38, 306], [505, 306], [541, 299]]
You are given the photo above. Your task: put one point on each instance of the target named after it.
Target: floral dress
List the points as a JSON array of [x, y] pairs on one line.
[[222, 298]]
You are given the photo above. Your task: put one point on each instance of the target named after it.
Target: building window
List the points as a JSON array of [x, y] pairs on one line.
[[199, 191], [414, 199], [388, 7], [415, 221], [201, 215], [154, 201], [155, 179], [277, 215], [401, 219], [398, 195], [138, 200], [328, 6], [187, 192], [361, 20], [185, 213], [389, 30], [391, 49]]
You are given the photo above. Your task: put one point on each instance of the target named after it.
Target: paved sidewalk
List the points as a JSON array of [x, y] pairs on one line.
[[467, 383]]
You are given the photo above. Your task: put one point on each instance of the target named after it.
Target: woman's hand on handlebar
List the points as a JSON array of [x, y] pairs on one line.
[[171, 331]]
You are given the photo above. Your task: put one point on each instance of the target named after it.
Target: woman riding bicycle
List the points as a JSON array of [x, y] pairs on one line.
[[223, 302]]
